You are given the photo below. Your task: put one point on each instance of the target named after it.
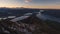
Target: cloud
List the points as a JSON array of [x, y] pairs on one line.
[[28, 1]]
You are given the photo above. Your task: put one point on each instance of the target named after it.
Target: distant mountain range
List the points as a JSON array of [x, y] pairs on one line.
[[15, 12], [46, 14]]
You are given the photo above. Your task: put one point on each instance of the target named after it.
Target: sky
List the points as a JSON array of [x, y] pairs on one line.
[[52, 4]]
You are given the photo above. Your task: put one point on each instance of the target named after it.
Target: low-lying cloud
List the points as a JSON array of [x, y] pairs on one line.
[[28, 0]]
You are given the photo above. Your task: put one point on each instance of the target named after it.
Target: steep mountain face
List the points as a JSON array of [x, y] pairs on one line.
[[30, 20]]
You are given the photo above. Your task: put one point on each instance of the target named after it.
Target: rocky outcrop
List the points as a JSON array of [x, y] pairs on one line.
[[31, 25]]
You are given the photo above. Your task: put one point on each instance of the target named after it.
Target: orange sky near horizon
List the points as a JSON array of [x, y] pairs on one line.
[[43, 7], [38, 7]]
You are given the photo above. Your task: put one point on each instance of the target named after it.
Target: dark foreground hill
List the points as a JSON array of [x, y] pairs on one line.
[[49, 27], [31, 25]]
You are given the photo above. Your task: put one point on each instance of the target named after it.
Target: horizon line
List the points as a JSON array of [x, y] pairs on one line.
[[29, 8]]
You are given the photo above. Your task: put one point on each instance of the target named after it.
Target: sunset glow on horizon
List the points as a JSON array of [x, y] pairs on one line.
[[50, 4]]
